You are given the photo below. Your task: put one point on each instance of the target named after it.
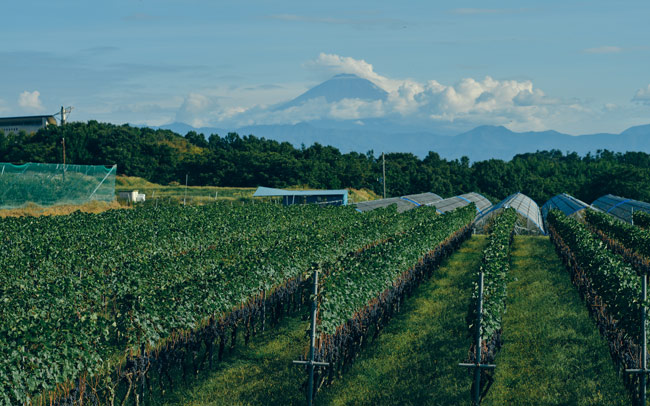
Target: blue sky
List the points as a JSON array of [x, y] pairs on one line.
[[577, 67]]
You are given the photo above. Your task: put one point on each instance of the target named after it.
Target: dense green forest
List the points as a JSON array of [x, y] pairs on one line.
[[162, 156]]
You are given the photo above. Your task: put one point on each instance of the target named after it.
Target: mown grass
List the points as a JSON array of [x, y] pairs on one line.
[[258, 374], [412, 362], [553, 353]]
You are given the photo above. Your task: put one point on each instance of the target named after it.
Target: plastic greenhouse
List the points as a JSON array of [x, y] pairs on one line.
[[449, 204], [568, 204], [52, 184], [422, 199], [620, 207], [403, 203], [530, 218]]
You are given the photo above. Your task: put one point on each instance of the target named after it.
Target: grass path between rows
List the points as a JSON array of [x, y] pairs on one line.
[[415, 359], [412, 362], [553, 353]]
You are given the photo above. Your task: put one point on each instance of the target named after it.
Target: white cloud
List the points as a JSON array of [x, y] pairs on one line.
[[606, 49], [195, 110], [334, 64], [30, 100], [642, 95]]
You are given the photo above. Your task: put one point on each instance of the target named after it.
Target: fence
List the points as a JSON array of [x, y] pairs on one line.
[[54, 184]]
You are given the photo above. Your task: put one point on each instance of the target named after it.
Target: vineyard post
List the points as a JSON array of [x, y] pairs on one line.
[[310, 362], [644, 345], [263, 309], [477, 364]]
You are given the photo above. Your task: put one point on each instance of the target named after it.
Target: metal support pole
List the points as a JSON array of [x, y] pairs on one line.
[[477, 365], [383, 160], [477, 371], [263, 310], [185, 196], [311, 363], [644, 344]]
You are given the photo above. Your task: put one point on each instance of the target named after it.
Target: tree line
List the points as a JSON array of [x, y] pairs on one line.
[[162, 156]]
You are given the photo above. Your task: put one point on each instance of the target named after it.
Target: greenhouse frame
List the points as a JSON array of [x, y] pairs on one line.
[[422, 199], [568, 204], [530, 218], [402, 204], [482, 204], [620, 207]]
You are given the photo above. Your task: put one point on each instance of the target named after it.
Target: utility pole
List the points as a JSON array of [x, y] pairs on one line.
[[185, 196], [383, 160], [63, 142]]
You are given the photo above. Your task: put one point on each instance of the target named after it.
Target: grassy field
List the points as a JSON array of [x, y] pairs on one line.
[[552, 352], [206, 194]]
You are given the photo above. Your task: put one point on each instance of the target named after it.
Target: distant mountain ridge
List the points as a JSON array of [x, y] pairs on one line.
[[480, 143]]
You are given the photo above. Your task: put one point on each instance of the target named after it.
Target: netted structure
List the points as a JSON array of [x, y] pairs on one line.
[[568, 204], [422, 199], [620, 207], [449, 204], [402, 204], [529, 220], [53, 184]]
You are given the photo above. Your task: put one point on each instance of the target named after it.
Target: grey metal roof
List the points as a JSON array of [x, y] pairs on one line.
[[422, 198], [269, 191], [402, 204], [524, 205], [620, 207], [449, 204], [564, 202]]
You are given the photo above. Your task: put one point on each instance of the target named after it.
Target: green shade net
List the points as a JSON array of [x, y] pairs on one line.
[[53, 184]]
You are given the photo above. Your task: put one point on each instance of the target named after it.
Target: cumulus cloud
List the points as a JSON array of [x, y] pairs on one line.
[[195, 110], [642, 95], [334, 64], [30, 100]]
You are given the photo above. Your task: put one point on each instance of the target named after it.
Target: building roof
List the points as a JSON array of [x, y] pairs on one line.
[[268, 192], [564, 202], [20, 117], [620, 207]]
